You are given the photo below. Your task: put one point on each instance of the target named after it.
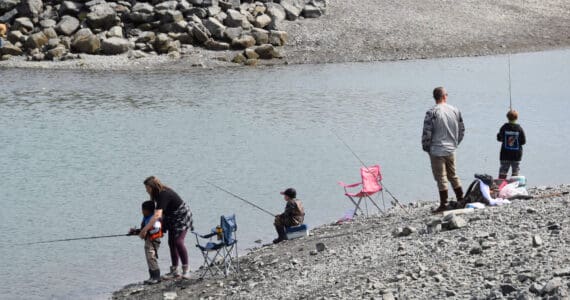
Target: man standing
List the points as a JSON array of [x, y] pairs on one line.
[[443, 131], [293, 216]]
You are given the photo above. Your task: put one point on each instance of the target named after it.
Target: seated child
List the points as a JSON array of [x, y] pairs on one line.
[[152, 242]]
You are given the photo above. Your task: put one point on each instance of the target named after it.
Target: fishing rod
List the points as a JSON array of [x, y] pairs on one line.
[[510, 98], [240, 198], [364, 165], [76, 239]]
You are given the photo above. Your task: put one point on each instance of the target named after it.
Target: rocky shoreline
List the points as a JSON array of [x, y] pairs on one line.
[[516, 251], [60, 30], [345, 31]]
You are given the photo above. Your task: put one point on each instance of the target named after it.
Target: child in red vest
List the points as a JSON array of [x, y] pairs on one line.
[[151, 242]]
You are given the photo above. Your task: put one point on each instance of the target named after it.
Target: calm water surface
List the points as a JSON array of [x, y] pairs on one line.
[[76, 146]]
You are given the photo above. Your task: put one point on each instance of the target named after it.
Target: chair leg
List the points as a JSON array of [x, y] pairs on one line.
[[374, 203]]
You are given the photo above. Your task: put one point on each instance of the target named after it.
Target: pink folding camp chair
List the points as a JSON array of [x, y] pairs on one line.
[[371, 184]]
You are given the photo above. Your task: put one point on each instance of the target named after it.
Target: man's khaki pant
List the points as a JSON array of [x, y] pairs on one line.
[[443, 168]]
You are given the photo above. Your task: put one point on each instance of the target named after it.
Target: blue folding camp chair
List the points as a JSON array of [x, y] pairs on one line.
[[223, 250]]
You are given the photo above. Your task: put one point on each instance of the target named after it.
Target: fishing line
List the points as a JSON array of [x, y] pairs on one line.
[[76, 239], [510, 98], [240, 198]]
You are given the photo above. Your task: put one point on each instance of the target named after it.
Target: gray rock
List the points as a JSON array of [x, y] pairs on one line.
[[56, 53], [262, 21], [115, 45], [216, 46], [30, 8], [244, 41], [313, 252], [536, 241], [23, 24], [261, 36], [171, 16], [84, 41], [67, 25], [136, 54], [267, 51], [234, 18], [167, 5], [48, 23], [70, 8], [320, 246], [293, 8], [200, 33], [7, 5], [562, 272], [535, 288], [213, 11], [102, 16], [9, 16], [507, 289], [279, 38], [215, 27], [115, 31], [275, 11], [53, 42], [143, 7], [311, 11], [456, 222], [231, 33], [50, 33], [9, 49], [523, 277], [551, 286], [476, 250], [198, 12], [36, 40], [164, 44], [251, 54], [15, 36], [146, 37]]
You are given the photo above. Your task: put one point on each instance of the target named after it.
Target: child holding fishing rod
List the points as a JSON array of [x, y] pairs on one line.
[[512, 138], [151, 241]]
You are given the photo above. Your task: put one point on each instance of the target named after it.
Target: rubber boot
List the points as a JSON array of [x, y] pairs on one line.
[[154, 277], [442, 202], [459, 195], [280, 233]]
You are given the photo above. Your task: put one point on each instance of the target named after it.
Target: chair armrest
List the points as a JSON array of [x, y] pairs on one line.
[[344, 185], [205, 236]]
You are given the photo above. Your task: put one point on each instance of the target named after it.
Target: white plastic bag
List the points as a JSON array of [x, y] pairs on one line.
[[512, 189]]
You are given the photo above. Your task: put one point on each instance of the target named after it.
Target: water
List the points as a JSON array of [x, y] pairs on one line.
[[76, 146]]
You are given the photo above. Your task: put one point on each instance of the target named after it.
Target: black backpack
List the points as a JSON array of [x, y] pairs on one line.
[[473, 194]]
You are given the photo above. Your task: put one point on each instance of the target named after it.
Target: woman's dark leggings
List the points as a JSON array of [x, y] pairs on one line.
[[177, 248]]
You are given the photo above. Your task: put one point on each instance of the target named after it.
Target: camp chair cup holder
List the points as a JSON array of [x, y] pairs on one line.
[[220, 251]]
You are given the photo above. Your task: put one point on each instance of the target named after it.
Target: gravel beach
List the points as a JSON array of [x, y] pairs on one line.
[[516, 251], [379, 30]]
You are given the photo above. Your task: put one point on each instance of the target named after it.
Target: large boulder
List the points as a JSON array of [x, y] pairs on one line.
[[293, 8], [7, 5], [215, 27], [115, 31], [278, 38], [70, 8], [166, 5], [47, 23], [164, 44], [231, 33], [84, 41], [234, 18], [276, 12], [261, 36], [216, 46], [243, 42], [313, 11], [201, 33], [23, 24], [9, 49], [30, 8], [102, 16], [50, 33], [146, 37], [15, 36], [67, 25], [56, 53], [262, 21], [171, 16], [36, 40], [115, 45], [267, 52], [9, 16], [142, 13]]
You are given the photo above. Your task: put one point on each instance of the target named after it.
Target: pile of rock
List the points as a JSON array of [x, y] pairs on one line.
[[54, 29]]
